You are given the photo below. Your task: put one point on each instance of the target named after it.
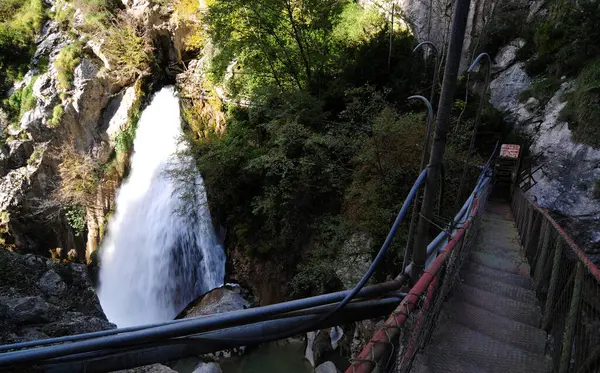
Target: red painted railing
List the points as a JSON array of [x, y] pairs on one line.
[[395, 345], [567, 285]]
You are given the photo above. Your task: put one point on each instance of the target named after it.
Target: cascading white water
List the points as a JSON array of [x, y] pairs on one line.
[[160, 252]]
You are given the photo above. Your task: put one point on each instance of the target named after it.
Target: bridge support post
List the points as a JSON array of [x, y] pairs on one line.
[[548, 308], [461, 12], [567, 342]]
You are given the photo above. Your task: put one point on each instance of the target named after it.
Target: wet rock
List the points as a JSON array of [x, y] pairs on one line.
[[76, 323], [217, 301], [154, 368], [41, 298], [51, 283], [327, 367], [207, 368], [30, 310], [309, 353], [116, 114]]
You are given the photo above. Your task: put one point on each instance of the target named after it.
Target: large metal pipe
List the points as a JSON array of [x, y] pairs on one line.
[[186, 326], [124, 358], [367, 292]]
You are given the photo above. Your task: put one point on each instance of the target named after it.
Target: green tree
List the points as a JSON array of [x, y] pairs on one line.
[[283, 42]]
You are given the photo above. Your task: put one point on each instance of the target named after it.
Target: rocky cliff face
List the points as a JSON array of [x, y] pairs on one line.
[[40, 298], [565, 182], [93, 113], [431, 20]]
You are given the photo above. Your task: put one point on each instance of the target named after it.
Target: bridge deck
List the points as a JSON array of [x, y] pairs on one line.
[[491, 321]]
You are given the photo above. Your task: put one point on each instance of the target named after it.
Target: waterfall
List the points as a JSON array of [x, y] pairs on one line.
[[160, 252]]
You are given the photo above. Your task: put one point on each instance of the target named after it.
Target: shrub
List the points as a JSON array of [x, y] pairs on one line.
[[127, 48], [35, 157], [19, 22], [75, 215], [28, 100], [583, 108], [542, 89], [57, 113], [66, 62], [187, 14], [566, 38], [79, 177]]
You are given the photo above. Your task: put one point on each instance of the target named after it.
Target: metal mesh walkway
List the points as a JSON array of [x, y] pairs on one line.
[[492, 320]]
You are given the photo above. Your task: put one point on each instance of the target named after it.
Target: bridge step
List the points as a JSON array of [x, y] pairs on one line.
[[494, 286], [501, 251], [499, 327], [491, 323], [484, 352], [445, 363], [504, 264], [526, 313], [499, 275]]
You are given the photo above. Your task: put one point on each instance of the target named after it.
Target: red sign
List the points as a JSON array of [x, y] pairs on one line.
[[510, 151]]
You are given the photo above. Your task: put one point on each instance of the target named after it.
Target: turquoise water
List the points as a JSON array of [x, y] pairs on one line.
[[270, 358]]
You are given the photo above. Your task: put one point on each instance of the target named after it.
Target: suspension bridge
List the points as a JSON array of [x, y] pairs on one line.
[[504, 290]]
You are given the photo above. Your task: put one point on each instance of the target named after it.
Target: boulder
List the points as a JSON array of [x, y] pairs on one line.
[[207, 368], [154, 368], [76, 323], [29, 310], [40, 298], [18, 153], [44, 89], [507, 56], [327, 367], [508, 85], [51, 283], [309, 353], [216, 301]]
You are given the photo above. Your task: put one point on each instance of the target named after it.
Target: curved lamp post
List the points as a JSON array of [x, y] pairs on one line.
[[415, 212], [435, 67], [477, 118]]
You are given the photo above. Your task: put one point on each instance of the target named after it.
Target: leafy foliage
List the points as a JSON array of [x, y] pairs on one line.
[[19, 21], [27, 99], [127, 47], [75, 215], [583, 107], [542, 89], [66, 62], [566, 39], [286, 43], [79, 177], [57, 113]]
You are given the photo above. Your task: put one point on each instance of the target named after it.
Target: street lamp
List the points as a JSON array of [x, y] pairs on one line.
[[435, 67]]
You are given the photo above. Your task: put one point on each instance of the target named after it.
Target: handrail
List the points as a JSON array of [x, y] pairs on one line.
[[566, 283]]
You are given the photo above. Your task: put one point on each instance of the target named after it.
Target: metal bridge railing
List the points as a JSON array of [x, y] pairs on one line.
[[395, 346], [567, 285]]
